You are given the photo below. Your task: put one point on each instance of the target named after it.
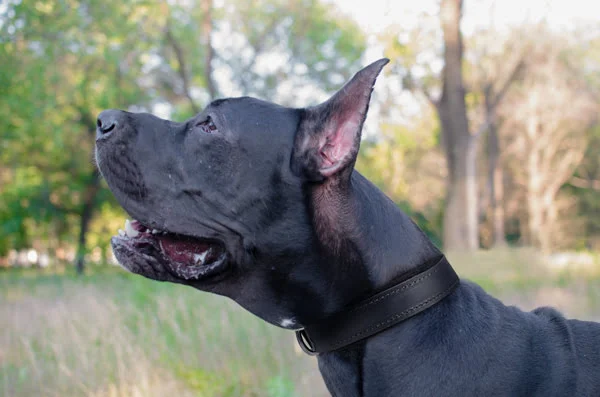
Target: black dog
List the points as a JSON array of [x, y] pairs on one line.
[[261, 203]]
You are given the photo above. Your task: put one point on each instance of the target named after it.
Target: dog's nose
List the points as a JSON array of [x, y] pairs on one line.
[[107, 122]]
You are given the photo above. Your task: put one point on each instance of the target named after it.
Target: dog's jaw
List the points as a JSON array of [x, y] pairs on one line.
[[169, 257]]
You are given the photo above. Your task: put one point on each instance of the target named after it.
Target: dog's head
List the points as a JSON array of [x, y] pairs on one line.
[[245, 199]]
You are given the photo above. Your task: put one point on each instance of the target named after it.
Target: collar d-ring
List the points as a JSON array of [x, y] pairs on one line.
[[305, 343]]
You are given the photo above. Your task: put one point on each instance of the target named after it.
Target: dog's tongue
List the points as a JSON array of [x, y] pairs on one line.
[[184, 250]]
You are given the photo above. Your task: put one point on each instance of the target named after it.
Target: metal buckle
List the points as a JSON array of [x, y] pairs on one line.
[[305, 343]]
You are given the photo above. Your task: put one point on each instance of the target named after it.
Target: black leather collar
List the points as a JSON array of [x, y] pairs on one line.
[[381, 311]]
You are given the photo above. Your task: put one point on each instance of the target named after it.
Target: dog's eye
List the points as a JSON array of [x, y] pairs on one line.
[[207, 125]]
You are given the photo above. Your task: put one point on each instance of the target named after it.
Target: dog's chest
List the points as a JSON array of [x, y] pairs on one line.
[[342, 372]]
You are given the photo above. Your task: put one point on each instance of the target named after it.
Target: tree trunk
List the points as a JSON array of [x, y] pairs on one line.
[[498, 207], [460, 232], [472, 196], [86, 216], [550, 218], [535, 220], [535, 207], [181, 67], [496, 183]]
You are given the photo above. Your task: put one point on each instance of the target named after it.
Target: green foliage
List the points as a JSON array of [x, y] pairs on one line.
[[65, 61], [296, 42], [280, 386]]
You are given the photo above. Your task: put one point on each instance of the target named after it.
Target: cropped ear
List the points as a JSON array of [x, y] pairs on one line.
[[328, 136]]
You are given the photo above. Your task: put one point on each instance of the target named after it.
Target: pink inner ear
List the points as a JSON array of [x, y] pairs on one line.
[[330, 132], [338, 144]]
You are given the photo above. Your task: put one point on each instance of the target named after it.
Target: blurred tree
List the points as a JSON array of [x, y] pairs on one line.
[[495, 62], [62, 63], [65, 62], [422, 61], [460, 216], [585, 184], [289, 44], [290, 52], [547, 118]]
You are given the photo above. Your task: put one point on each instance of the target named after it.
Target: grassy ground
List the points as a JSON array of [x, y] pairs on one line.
[[116, 334], [525, 279], [113, 334]]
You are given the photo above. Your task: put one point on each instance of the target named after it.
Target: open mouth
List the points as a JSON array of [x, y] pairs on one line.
[[183, 257]]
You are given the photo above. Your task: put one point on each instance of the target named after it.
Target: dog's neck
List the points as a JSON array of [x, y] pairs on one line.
[[394, 246], [370, 243], [381, 245]]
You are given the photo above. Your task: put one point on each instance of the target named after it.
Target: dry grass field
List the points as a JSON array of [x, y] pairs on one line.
[[114, 334]]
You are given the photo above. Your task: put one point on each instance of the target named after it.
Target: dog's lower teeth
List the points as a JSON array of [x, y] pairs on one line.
[[155, 231], [199, 258]]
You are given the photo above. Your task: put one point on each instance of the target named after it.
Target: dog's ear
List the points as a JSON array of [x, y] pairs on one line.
[[328, 136]]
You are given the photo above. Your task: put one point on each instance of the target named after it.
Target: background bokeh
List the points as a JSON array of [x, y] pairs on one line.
[[488, 136]]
